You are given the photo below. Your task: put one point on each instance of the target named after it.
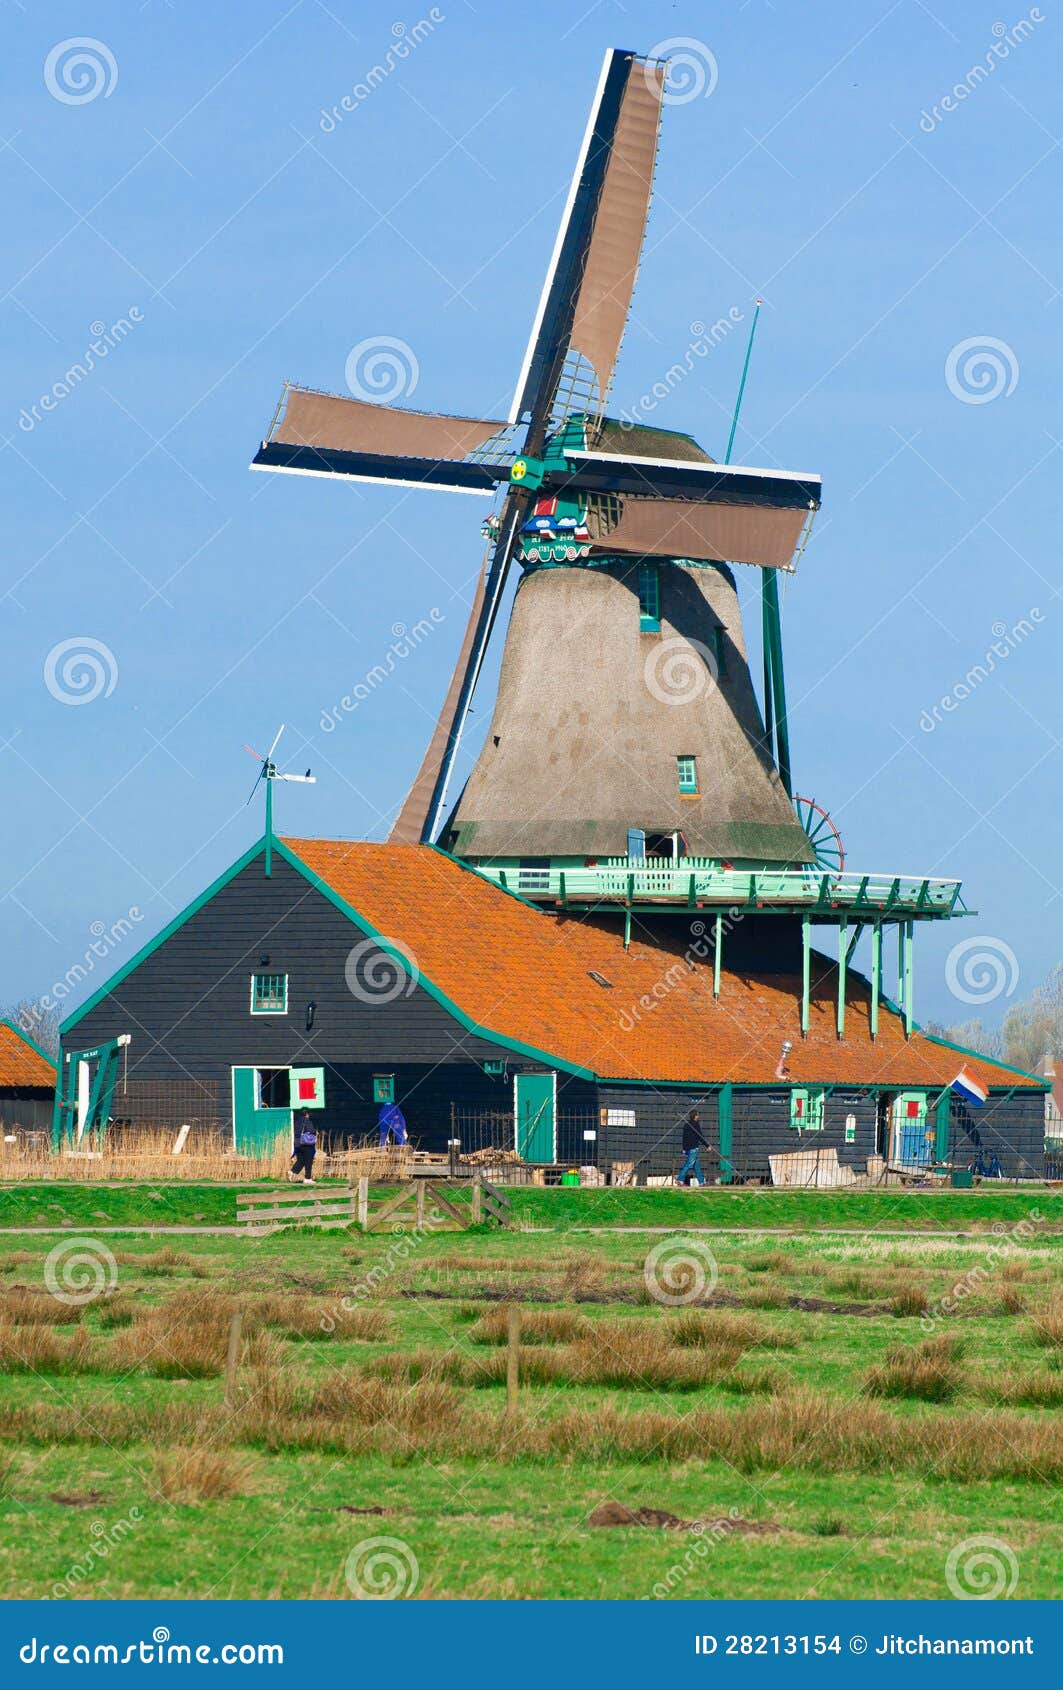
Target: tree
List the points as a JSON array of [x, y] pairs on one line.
[[39, 1024], [1034, 1028]]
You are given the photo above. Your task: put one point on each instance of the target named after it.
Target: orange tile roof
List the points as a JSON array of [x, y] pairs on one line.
[[524, 975], [21, 1063]]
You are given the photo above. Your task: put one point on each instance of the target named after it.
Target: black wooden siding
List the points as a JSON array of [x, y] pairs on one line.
[[187, 1009]]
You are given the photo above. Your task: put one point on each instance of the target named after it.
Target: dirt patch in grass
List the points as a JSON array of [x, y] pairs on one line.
[[616, 1514], [73, 1499]]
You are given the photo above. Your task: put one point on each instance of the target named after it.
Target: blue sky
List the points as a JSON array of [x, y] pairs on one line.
[[200, 204]]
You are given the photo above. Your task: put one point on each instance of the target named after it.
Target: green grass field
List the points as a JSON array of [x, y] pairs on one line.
[[808, 1395]]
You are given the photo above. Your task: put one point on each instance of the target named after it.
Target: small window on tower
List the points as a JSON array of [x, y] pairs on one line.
[[687, 769], [719, 650], [649, 598], [269, 994]]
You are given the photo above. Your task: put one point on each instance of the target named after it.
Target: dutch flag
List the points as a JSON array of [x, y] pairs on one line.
[[969, 1088]]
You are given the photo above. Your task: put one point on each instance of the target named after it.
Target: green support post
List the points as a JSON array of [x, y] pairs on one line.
[[806, 970], [941, 1126], [726, 1126], [901, 969], [717, 955], [773, 644], [843, 958], [876, 974], [269, 827], [909, 980]]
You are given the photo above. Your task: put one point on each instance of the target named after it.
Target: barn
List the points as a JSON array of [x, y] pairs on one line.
[[27, 1084], [340, 974]]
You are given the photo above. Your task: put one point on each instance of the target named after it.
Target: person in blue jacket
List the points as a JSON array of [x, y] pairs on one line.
[[391, 1121], [305, 1148]]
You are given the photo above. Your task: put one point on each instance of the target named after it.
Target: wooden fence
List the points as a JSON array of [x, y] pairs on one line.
[[346, 1203]]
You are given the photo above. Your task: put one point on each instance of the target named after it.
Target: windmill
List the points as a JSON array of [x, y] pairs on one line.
[[597, 512], [268, 773]]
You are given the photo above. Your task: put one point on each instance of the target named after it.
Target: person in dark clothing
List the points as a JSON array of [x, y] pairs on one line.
[[305, 1148], [391, 1122], [693, 1141]]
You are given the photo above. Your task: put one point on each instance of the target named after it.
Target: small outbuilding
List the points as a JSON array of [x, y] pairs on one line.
[[27, 1083]]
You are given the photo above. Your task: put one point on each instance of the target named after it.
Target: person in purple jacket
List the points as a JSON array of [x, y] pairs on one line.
[[391, 1121]]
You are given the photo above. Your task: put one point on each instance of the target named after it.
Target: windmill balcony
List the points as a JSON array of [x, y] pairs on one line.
[[697, 882]]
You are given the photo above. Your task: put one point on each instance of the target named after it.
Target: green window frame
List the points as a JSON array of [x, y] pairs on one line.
[[649, 582], [383, 1088], [806, 1109], [269, 994], [687, 773]]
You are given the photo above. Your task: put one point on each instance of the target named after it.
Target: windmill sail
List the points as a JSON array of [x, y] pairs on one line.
[[326, 434], [585, 301]]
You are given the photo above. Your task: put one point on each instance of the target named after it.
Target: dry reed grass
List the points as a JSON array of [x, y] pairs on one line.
[[537, 1326], [911, 1300], [353, 1413], [23, 1307], [928, 1371], [768, 1261], [202, 1474], [40, 1349], [1048, 1322], [165, 1263], [148, 1155]]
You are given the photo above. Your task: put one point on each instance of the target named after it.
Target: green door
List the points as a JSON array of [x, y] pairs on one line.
[[534, 1100], [255, 1130]]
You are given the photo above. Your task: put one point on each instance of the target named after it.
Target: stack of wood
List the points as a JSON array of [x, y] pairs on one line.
[[491, 1158]]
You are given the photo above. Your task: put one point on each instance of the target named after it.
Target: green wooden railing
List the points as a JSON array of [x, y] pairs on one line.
[[692, 883]]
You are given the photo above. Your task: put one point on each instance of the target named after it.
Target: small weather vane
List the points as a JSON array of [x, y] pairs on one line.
[[269, 773]]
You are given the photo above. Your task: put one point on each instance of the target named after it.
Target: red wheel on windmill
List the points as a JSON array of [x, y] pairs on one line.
[[823, 836]]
